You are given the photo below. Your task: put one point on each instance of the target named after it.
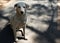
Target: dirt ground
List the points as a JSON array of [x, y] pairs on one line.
[[41, 25]]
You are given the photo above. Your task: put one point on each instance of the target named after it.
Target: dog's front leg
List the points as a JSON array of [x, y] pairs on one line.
[[14, 31], [24, 30]]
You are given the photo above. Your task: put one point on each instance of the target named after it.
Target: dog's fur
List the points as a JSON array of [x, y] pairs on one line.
[[18, 20]]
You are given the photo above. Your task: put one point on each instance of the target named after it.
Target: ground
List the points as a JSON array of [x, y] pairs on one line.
[[41, 26]]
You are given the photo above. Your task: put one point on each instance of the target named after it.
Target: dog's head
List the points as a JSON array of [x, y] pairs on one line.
[[20, 7]]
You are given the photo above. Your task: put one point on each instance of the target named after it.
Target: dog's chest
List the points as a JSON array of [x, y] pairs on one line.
[[19, 18]]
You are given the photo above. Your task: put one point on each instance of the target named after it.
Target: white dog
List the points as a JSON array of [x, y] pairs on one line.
[[19, 19]]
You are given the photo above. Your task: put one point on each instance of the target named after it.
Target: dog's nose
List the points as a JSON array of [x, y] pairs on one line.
[[21, 12]]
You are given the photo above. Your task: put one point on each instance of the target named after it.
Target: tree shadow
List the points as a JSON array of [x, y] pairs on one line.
[[51, 34], [48, 36], [38, 9], [52, 29]]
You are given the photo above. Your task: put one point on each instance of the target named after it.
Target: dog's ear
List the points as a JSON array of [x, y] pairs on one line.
[[15, 5]]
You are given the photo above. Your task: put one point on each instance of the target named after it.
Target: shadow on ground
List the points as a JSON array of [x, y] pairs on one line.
[[6, 35], [51, 34], [1, 15]]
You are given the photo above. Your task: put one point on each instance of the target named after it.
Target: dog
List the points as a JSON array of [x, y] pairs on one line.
[[19, 19]]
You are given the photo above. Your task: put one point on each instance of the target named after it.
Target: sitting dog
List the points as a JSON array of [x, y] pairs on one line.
[[19, 19]]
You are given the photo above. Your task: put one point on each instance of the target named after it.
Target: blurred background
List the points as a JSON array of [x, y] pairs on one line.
[[41, 21]]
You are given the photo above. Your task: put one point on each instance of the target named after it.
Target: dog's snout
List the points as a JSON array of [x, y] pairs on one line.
[[22, 10]]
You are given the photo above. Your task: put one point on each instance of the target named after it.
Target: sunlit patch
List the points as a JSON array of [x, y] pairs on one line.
[[58, 4], [57, 40]]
